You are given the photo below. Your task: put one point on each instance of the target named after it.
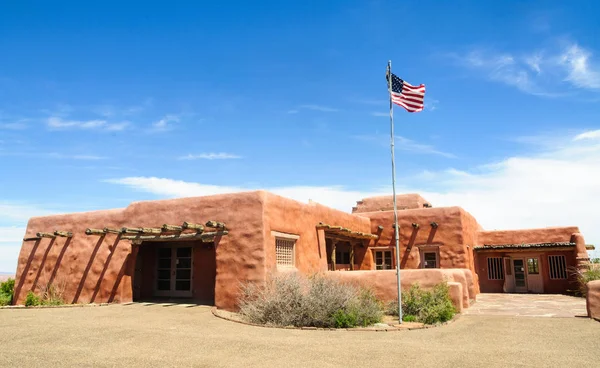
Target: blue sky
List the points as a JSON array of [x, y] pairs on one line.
[[103, 104]]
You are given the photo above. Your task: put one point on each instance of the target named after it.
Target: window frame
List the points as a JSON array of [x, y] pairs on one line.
[[383, 252], [554, 267], [536, 266], [493, 273], [292, 239]]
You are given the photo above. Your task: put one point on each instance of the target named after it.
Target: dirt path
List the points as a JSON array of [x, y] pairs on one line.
[[154, 335]]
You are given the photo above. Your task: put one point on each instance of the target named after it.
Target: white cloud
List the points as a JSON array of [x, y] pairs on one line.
[[164, 124], [404, 144], [11, 234], [18, 125], [540, 72], [58, 123], [580, 70], [558, 187], [592, 134], [210, 156], [10, 211]]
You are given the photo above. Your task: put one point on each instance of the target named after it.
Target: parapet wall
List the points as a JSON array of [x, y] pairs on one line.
[[383, 282], [593, 299], [386, 203]]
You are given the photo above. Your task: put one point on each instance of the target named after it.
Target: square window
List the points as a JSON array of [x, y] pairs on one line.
[[383, 260], [430, 260], [284, 252]]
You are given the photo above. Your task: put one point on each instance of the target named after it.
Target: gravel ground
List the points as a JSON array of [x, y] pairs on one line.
[[156, 335]]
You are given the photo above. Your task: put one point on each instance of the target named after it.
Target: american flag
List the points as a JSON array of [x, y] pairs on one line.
[[406, 95]]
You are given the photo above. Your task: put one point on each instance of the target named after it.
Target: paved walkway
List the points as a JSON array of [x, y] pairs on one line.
[[528, 305], [156, 335]]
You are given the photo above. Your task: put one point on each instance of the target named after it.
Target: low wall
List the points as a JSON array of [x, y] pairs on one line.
[[383, 282], [593, 299]]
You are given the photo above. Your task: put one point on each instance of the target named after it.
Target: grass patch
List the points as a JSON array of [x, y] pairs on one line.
[[316, 301], [426, 306]]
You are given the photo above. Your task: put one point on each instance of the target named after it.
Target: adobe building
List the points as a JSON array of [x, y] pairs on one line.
[[202, 248]]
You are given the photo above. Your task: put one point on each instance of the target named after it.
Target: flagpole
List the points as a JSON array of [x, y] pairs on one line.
[[396, 226]]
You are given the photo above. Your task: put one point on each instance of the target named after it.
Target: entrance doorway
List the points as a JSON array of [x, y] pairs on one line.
[[174, 272], [520, 275]]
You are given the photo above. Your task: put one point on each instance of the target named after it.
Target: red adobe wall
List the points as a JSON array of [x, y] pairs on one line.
[[528, 236], [293, 217], [386, 203], [449, 235], [593, 299], [383, 282], [543, 235], [97, 268]]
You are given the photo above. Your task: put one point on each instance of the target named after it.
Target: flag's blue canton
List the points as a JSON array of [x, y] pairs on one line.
[[397, 84]]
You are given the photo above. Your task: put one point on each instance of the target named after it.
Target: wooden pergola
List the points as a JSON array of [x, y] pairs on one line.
[[342, 234], [185, 231]]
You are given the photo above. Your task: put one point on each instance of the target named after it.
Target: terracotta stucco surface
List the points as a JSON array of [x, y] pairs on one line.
[[383, 283], [544, 235], [98, 269], [292, 217], [386, 203], [448, 235], [593, 299]]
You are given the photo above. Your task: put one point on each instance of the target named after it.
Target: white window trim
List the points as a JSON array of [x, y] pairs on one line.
[[279, 234]]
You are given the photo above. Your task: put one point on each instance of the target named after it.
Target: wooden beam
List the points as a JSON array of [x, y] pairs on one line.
[[131, 230], [89, 231], [197, 227], [351, 257], [108, 230], [151, 230], [215, 224], [167, 227], [176, 236], [380, 227], [32, 238], [64, 234], [45, 235]]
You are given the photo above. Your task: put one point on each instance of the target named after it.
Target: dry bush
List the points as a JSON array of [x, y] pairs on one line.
[[293, 300], [584, 276]]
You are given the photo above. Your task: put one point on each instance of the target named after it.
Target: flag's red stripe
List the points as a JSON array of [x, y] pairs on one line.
[[408, 86], [413, 93], [408, 104], [418, 100], [410, 109], [412, 103]]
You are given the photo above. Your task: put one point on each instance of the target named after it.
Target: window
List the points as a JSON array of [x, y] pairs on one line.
[[495, 269], [284, 250], [430, 260], [383, 260], [342, 257], [533, 267], [558, 267]]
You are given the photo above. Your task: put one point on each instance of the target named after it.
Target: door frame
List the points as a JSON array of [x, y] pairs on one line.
[[519, 289], [173, 273]]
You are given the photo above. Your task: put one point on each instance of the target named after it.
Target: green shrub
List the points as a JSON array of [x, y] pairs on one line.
[[7, 289], [409, 318], [585, 276], [32, 300], [426, 306], [316, 301]]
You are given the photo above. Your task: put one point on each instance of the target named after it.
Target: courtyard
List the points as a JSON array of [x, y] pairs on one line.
[[141, 335]]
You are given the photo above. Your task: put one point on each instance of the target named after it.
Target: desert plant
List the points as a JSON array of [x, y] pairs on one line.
[[426, 306], [7, 289], [32, 300], [583, 277], [316, 301]]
